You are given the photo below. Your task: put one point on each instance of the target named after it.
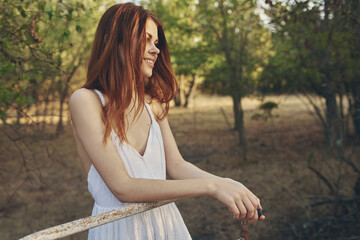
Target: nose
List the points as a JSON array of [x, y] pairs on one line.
[[153, 49]]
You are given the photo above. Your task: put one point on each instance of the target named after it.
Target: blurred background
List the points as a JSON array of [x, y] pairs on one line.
[[269, 95]]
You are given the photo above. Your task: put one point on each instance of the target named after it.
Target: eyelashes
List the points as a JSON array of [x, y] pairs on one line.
[[155, 43]]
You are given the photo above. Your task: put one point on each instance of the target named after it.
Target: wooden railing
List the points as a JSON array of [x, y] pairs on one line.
[[83, 224]]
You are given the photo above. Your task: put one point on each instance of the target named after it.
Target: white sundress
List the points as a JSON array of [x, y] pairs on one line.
[[161, 223]]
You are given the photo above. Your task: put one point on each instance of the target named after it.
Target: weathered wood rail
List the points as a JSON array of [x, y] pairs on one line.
[[83, 224]]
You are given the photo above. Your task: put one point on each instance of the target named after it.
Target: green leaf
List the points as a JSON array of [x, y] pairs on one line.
[[20, 100], [65, 35], [50, 14], [30, 100], [59, 12], [11, 67], [41, 6], [59, 61], [9, 96], [78, 28], [23, 13]]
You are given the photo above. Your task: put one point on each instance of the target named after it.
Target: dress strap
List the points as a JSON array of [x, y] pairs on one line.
[[150, 112], [101, 97]]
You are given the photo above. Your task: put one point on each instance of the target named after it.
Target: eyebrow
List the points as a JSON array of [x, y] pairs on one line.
[[157, 40]]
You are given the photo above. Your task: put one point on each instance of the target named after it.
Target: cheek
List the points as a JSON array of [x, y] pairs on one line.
[[147, 47]]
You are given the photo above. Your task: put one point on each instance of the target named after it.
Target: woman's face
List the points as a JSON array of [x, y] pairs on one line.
[[151, 51]]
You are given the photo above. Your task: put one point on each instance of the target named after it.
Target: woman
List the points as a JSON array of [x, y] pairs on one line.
[[123, 137]]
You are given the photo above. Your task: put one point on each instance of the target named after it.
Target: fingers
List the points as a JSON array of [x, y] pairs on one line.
[[248, 210], [237, 208], [255, 217], [257, 206], [254, 200], [234, 209], [241, 202], [242, 209]]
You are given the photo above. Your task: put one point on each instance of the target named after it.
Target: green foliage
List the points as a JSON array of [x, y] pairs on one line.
[[215, 39], [41, 42], [316, 51], [184, 34], [316, 46], [238, 45]]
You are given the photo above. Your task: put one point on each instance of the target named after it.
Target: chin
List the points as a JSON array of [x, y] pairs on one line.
[[147, 75]]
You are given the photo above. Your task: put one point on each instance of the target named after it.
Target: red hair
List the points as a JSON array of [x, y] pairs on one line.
[[115, 65]]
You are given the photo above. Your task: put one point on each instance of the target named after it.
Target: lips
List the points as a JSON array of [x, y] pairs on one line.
[[150, 61]]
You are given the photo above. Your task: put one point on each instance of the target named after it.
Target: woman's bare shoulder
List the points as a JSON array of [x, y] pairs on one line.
[[82, 94], [84, 98]]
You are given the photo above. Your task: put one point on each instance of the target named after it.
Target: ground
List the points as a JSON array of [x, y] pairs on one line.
[[42, 183]]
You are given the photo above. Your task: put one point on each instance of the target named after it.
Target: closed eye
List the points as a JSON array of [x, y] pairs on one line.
[[149, 38]]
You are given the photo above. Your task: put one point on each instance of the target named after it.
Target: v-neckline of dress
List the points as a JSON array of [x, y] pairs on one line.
[[148, 135]]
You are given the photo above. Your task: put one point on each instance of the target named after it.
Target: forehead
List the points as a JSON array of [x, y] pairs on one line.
[[151, 28]]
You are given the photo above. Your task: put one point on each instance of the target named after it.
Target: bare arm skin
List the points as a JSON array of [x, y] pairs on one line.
[[85, 109]]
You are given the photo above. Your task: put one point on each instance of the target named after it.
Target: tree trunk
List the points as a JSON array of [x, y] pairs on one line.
[[180, 94], [18, 116], [332, 119], [63, 94], [177, 98], [190, 95], [46, 114], [60, 125], [236, 111], [239, 122], [177, 95], [37, 111], [241, 130]]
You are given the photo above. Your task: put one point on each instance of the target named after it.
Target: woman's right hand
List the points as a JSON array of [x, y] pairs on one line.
[[241, 202]]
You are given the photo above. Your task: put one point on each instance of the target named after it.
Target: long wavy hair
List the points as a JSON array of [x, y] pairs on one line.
[[115, 65]]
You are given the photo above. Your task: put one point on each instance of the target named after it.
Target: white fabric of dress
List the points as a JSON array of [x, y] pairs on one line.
[[157, 224]]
